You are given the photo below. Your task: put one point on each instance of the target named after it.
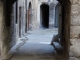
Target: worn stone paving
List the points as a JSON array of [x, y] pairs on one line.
[[41, 35], [35, 46]]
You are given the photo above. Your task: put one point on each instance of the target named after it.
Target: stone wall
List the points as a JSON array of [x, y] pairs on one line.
[[75, 30], [4, 29], [0, 23]]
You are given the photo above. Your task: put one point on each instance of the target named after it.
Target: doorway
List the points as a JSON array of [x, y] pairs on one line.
[[20, 18], [44, 16], [29, 17]]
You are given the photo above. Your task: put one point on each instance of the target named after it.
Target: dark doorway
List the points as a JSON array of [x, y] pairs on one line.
[[30, 16], [44, 15], [20, 18]]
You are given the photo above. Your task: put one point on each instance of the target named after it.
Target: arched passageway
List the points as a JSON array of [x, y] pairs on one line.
[[57, 15], [44, 15], [65, 27], [29, 17], [58, 20]]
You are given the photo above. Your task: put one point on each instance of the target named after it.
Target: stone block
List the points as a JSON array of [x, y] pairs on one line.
[[79, 2], [74, 1], [75, 20], [75, 9], [75, 47], [75, 32]]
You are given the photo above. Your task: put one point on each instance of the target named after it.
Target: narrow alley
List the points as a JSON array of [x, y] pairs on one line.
[[36, 32], [36, 45], [39, 29]]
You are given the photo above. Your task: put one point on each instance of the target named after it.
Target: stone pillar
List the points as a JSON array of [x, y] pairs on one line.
[[1, 25], [51, 15], [75, 30]]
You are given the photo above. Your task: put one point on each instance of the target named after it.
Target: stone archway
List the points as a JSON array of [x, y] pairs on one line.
[[57, 14], [65, 27]]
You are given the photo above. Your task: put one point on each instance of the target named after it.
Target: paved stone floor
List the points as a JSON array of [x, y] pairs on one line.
[[41, 35], [35, 46]]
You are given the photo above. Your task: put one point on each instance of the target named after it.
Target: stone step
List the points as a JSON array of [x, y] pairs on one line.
[[58, 47]]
